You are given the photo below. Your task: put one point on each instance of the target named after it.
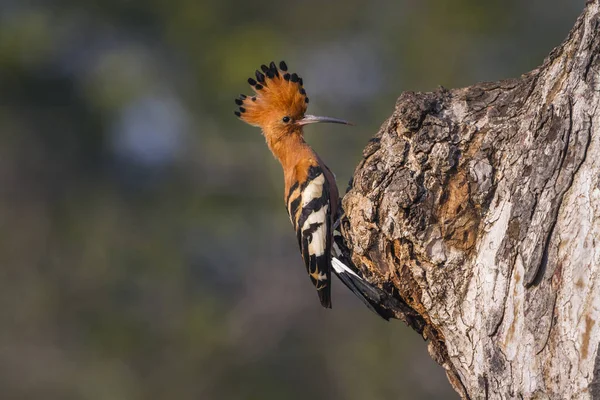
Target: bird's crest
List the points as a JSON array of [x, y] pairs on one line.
[[278, 94]]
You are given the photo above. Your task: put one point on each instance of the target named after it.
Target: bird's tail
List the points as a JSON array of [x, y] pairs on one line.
[[376, 300], [371, 296]]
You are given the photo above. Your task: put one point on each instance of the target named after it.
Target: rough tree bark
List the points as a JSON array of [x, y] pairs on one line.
[[478, 211]]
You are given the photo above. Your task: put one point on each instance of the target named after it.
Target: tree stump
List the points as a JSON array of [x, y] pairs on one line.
[[478, 211]]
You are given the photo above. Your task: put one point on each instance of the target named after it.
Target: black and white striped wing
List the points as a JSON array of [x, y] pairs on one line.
[[310, 211]]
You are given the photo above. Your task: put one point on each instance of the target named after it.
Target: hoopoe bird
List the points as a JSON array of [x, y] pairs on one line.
[[311, 197]]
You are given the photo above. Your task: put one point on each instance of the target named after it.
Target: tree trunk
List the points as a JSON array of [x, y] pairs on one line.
[[478, 211]]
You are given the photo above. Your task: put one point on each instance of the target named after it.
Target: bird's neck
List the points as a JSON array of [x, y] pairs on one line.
[[289, 148]]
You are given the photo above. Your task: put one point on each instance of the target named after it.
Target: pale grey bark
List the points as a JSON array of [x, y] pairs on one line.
[[478, 210]]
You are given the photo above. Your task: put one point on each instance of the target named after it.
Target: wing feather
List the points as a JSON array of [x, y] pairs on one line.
[[310, 212]]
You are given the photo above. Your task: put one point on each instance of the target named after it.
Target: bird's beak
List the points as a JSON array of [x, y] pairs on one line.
[[313, 119]]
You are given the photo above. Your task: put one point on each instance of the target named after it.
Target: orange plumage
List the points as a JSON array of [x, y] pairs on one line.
[[279, 102], [278, 94]]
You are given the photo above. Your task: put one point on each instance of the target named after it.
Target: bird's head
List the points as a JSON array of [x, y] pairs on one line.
[[279, 103]]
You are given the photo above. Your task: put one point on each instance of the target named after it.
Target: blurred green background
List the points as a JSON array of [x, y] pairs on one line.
[[145, 249]]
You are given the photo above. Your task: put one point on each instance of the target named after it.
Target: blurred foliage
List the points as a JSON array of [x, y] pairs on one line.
[[145, 249]]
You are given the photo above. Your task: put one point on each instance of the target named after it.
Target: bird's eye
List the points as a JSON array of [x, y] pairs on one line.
[[286, 119]]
